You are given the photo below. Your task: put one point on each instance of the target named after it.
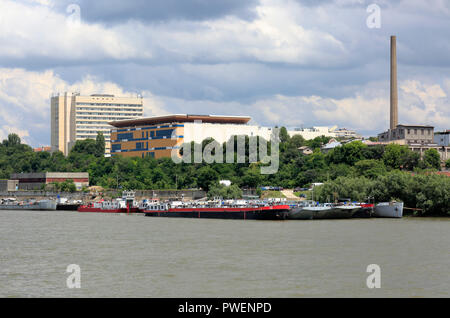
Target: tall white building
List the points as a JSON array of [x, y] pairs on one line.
[[75, 117]]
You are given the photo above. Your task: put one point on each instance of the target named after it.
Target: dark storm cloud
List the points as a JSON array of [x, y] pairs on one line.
[[117, 11]]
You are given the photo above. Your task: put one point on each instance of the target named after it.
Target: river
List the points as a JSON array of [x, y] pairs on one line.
[[137, 256]]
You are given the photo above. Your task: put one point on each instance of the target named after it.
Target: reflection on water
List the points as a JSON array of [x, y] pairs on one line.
[[136, 256]]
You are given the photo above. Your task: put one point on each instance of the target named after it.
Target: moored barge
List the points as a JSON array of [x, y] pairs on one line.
[[244, 212]]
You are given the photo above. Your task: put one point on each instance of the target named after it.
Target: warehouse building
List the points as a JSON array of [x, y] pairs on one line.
[[9, 185], [35, 181]]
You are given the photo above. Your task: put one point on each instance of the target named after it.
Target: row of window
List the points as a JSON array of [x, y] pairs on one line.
[[148, 128], [107, 114], [158, 134], [111, 109], [109, 104], [422, 131], [104, 118], [139, 147]]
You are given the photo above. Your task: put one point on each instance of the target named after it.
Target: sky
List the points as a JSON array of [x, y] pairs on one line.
[[286, 63]]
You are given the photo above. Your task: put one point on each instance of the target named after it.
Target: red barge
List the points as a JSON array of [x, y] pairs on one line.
[[218, 211], [231, 209]]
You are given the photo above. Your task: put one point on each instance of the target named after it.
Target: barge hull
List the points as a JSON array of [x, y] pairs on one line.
[[266, 213]]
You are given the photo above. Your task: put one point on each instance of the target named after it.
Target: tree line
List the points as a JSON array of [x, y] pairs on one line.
[[354, 161]]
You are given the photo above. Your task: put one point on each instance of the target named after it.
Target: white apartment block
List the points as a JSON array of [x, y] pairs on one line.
[[311, 133], [75, 117]]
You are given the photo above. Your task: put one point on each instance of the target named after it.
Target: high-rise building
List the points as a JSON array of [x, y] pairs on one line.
[[76, 117]]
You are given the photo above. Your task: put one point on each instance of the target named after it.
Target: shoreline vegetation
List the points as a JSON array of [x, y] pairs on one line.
[[353, 170]]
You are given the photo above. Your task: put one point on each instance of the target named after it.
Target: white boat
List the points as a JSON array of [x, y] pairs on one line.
[[44, 205], [389, 210]]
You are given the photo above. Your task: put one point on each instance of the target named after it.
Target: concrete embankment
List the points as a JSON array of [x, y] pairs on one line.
[[85, 197]]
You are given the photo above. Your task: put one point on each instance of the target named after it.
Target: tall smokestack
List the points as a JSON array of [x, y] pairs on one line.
[[394, 91]]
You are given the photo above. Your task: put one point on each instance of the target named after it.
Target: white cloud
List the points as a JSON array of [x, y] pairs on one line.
[[275, 36], [25, 101]]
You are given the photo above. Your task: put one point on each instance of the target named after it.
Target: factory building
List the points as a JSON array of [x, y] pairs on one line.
[[158, 136], [75, 117], [418, 138], [410, 134], [35, 181]]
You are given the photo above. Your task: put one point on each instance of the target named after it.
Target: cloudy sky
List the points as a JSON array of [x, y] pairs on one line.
[[283, 62]]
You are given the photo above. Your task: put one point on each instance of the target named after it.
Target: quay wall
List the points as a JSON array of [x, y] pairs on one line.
[[140, 194]]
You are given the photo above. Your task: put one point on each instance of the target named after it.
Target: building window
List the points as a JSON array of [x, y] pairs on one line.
[[415, 131], [409, 131], [125, 136], [422, 132], [116, 147]]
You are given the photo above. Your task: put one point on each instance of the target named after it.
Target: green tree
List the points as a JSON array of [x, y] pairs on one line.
[[100, 143], [219, 190], [370, 168], [206, 177], [431, 159], [12, 141]]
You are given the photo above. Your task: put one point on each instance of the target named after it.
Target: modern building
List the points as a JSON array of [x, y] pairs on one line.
[[75, 117], [311, 133], [35, 181], [442, 138], [158, 136]]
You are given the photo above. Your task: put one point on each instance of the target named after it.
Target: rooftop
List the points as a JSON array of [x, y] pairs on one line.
[[181, 118]]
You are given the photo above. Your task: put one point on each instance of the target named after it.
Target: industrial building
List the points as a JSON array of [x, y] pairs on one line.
[[158, 136], [75, 117], [418, 138], [35, 181], [9, 185], [442, 138], [410, 134]]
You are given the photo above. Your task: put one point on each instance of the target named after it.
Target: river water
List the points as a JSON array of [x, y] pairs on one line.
[[137, 256]]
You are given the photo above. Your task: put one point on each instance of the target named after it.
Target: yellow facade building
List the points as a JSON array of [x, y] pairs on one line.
[[158, 136]]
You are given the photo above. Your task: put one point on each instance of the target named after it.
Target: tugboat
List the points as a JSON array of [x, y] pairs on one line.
[[217, 209], [126, 204]]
